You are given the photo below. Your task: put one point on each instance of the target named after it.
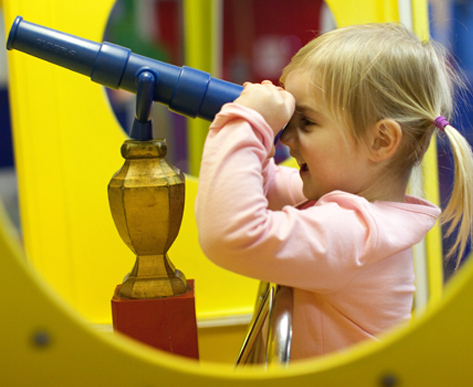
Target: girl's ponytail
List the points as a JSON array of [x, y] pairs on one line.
[[458, 214]]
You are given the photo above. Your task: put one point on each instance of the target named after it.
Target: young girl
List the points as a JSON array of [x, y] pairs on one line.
[[362, 104]]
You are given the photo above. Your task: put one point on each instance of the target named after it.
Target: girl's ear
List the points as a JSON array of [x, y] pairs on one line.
[[385, 138]]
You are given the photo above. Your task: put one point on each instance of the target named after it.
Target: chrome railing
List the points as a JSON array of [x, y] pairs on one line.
[[268, 340]]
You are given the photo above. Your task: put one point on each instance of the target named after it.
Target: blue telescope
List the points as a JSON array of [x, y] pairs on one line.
[[185, 90]]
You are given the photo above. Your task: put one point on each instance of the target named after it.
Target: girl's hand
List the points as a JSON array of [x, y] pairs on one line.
[[275, 104]]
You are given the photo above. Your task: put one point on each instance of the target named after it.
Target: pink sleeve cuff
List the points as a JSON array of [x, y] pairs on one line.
[[233, 111]]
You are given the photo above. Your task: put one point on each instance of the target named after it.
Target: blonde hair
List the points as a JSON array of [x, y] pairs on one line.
[[375, 71]]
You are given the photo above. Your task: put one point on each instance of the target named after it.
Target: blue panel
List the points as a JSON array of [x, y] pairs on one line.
[[6, 149]]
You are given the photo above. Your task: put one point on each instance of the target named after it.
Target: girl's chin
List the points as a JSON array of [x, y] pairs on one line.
[[310, 194]]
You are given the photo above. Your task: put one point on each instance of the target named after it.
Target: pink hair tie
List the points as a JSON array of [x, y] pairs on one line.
[[441, 122]]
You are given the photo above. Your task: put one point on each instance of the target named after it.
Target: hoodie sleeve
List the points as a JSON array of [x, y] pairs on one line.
[[282, 185]]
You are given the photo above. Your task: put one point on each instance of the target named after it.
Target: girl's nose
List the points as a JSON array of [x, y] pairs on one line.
[[287, 136]]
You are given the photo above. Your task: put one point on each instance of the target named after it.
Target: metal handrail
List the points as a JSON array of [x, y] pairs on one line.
[[280, 327], [269, 336]]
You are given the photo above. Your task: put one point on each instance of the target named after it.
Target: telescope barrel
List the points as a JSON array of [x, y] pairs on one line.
[[185, 90]]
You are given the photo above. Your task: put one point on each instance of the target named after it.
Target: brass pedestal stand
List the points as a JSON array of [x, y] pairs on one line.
[[155, 303]]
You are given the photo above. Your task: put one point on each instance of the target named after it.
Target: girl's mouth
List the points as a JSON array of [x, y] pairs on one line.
[[303, 166]]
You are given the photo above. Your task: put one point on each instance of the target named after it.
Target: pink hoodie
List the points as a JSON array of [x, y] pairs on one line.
[[348, 260]]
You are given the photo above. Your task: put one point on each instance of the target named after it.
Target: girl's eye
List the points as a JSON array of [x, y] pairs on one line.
[[306, 122]]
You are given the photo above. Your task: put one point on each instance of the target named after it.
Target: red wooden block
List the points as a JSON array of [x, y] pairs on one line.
[[167, 323]]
